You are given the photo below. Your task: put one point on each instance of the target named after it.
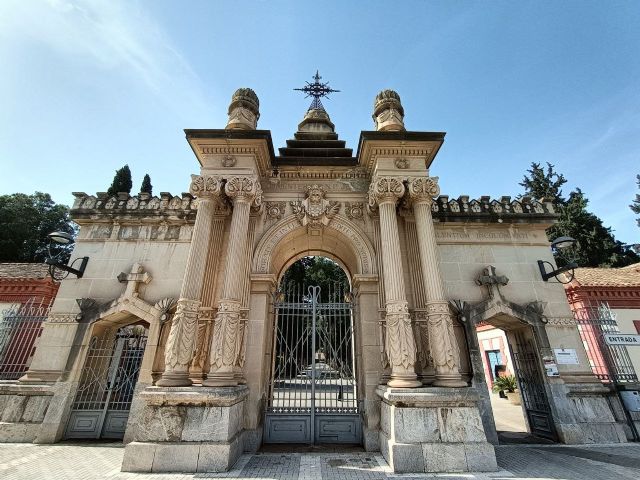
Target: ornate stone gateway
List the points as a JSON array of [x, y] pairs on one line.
[[103, 400], [313, 395]]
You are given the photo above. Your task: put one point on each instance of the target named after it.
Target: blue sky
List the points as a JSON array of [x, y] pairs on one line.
[[87, 86]]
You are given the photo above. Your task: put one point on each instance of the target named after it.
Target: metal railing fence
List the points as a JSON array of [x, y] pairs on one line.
[[20, 327]]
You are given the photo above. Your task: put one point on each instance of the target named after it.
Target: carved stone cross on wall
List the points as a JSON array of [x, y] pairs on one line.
[[490, 279], [134, 279]]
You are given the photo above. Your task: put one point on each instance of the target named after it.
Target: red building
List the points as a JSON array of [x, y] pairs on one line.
[[607, 300], [26, 294]]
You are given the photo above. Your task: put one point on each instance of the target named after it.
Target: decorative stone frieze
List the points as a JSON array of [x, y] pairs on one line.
[[64, 317], [388, 113], [315, 209], [244, 110]]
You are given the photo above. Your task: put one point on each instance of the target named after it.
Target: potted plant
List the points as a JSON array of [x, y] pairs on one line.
[[509, 385]]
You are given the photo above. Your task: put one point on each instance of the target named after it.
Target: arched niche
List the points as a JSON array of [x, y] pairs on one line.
[[287, 241]]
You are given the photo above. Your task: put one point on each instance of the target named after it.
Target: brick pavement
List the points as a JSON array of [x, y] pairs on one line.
[[66, 461]]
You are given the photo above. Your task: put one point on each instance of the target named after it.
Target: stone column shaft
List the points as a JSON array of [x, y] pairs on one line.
[[400, 342], [229, 327], [184, 325], [442, 341]]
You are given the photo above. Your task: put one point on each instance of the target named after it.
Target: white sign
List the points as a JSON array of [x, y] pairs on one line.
[[550, 367], [566, 356], [622, 339]]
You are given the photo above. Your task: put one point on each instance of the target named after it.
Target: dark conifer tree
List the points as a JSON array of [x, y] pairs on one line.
[[146, 185], [121, 181]]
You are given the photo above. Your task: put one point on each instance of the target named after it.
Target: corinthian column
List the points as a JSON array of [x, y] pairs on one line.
[[229, 328], [182, 336], [401, 347], [442, 341]]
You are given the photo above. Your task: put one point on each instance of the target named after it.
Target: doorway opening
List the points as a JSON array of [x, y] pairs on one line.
[[109, 376], [514, 377], [313, 394]]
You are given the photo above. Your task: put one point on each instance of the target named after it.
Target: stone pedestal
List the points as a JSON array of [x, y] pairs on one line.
[[433, 430], [187, 429]]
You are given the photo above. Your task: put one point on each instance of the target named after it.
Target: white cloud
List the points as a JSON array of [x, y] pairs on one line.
[[108, 35]]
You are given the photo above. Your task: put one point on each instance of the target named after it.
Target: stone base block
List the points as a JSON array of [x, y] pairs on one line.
[[18, 432], [433, 430], [187, 429], [186, 457]]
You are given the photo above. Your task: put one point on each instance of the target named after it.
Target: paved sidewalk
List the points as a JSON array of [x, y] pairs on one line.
[[518, 462]]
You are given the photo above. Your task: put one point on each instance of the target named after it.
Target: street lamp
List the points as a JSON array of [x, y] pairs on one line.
[[54, 261], [560, 244]]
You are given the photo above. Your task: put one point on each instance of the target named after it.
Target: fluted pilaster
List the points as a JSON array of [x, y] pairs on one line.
[[442, 341], [182, 336], [400, 343]]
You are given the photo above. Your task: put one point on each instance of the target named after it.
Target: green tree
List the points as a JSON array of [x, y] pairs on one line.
[[146, 186], [319, 271], [635, 205], [121, 181], [597, 246], [25, 222]]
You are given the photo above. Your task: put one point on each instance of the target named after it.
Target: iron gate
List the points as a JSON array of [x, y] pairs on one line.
[[532, 390], [20, 328], [313, 395], [102, 402]]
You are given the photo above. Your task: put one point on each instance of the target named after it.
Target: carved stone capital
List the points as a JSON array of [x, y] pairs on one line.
[[423, 189], [385, 189], [244, 189], [205, 186]]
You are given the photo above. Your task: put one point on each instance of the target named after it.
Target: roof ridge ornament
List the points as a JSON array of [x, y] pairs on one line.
[[317, 90]]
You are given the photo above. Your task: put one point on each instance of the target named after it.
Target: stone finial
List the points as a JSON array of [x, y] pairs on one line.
[[388, 114], [244, 110]]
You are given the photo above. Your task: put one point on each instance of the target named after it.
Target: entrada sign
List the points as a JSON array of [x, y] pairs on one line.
[[621, 339]]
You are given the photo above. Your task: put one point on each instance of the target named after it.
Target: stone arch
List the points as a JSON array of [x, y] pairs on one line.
[[341, 240]]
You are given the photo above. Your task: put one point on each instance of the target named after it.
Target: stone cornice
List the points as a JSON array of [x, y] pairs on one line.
[[373, 145], [212, 146]]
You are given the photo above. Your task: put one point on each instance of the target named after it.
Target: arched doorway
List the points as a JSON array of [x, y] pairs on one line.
[[106, 388], [313, 394]]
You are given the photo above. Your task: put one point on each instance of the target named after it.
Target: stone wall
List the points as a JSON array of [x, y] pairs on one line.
[[22, 411]]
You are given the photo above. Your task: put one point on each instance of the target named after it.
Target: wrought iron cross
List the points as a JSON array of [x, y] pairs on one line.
[[316, 90]]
